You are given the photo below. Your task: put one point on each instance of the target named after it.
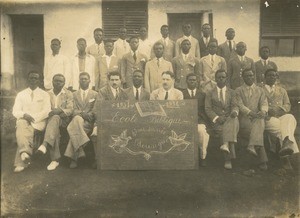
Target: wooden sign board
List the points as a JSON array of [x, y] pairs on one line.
[[150, 135]]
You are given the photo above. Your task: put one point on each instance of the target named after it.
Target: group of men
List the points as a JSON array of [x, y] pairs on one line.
[[235, 95]]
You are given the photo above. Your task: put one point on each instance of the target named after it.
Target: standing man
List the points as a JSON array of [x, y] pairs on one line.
[[97, 49], [132, 61], [237, 65], [107, 63], [31, 108], [253, 107], [227, 49], [187, 31], [279, 122], [263, 64], [155, 67], [209, 65], [193, 92], [184, 64], [169, 45], [145, 45], [56, 63], [82, 62], [121, 45], [205, 39], [167, 91], [82, 122], [222, 111], [137, 92], [59, 116]]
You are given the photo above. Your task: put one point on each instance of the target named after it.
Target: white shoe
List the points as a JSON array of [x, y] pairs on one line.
[[25, 158], [52, 165], [42, 149], [19, 169], [225, 148]]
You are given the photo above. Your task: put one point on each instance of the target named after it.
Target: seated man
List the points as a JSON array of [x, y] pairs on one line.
[[192, 92], [167, 91], [83, 119], [137, 92], [279, 122], [31, 108], [253, 107], [59, 116], [221, 109]]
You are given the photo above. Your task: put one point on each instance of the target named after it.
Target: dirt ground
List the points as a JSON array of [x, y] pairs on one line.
[[208, 192]]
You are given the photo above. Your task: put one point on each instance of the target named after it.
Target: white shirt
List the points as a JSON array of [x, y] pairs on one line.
[[270, 88], [132, 52], [114, 91], [96, 50], [190, 92], [212, 58], [263, 61], [56, 97], [54, 65], [145, 47], [223, 91], [108, 59], [139, 90], [242, 58], [85, 93], [206, 40], [232, 43], [38, 107], [185, 56], [121, 47], [166, 40]]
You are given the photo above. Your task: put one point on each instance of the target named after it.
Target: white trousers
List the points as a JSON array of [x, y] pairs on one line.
[[203, 139]]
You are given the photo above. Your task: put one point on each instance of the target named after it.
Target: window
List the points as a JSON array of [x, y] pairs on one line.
[[280, 27], [129, 14]]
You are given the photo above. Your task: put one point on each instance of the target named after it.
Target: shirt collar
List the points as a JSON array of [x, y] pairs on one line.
[[136, 52], [187, 37], [134, 88], [190, 91], [165, 39], [212, 56], [224, 88], [63, 91], [262, 60], [106, 56], [81, 90], [34, 91]]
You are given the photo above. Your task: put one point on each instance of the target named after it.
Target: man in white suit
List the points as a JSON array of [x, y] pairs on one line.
[[82, 62], [167, 91], [209, 65], [121, 46], [155, 68], [145, 44], [195, 50]]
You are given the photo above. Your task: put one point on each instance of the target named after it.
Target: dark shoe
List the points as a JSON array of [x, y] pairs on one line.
[[252, 150], [202, 162], [286, 164], [73, 164], [286, 149]]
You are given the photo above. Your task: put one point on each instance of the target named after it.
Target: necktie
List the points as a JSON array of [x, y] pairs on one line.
[[99, 49], [166, 96], [206, 41], [124, 44], [117, 94], [134, 57], [249, 92], [193, 94], [31, 96], [230, 45], [165, 43], [265, 63], [83, 96], [242, 58], [137, 94], [212, 61], [222, 97], [158, 62]]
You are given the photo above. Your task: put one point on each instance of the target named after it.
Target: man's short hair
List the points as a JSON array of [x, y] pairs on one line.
[[191, 74], [158, 43], [247, 70], [81, 39], [241, 43], [84, 74], [172, 75], [271, 70], [59, 74], [263, 47], [212, 40], [143, 27], [206, 24], [33, 72], [133, 37], [229, 29], [56, 40], [186, 23], [108, 41], [113, 73], [163, 26], [98, 29], [220, 71], [184, 41]]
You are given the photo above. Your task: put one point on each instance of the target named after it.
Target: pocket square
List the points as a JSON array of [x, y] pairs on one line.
[[92, 100]]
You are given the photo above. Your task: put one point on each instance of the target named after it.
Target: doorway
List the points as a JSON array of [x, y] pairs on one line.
[[28, 39]]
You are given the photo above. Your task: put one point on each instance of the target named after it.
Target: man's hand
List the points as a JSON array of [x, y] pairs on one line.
[[252, 115], [29, 118], [70, 88], [55, 111], [221, 120], [94, 133], [85, 115], [272, 113], [261, 115], [233, 114]]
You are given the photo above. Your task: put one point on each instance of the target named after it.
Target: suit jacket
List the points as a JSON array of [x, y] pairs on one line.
[[84, 106], [106, 94], [207, 70], [120, 48], [203, 47], [257, 102], [278, 98], [153, 73], [214, 107], [101, 76], [200, 96], [235, 68], [128, 65], [173, 94], [261, 69], [169, 50], [144, 95], [90, 68], [194, 51], [224, 51], [96, 50], [183, 68]]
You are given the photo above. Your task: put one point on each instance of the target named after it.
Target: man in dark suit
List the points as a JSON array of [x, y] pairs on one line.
[[132, 61], [192, 92], [227, 49], [205, 39], [237, 64], [222, 111], [169, 45], [263, 64], [137, 92]]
